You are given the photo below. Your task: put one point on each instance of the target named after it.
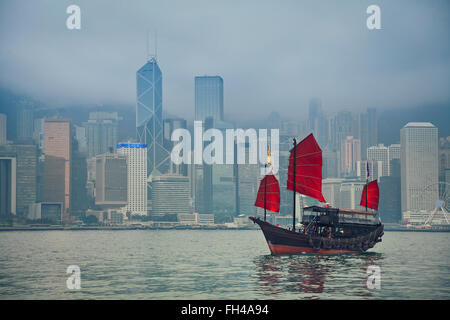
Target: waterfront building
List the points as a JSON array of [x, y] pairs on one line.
[[79, 198], [196, 185], [331, 188], [115, 217], [195, 219], [111, 180], [419, 170], [47, 212], [350, 194], [171, 194], [136, 154], [390, 208], [8, 182], [20, 165], [58, 162]]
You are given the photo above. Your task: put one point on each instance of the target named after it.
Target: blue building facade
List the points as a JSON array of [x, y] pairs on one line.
[[149, 121], [208, 97]]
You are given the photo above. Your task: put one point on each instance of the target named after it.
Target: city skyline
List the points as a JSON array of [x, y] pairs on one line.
[[349, 139], [222, 149]]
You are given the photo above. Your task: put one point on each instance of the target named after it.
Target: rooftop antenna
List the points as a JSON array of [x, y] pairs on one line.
[[156, 44], [150, 56], [147, 46]]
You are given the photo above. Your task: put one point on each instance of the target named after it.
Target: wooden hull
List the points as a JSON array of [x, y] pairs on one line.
[[282, 241]]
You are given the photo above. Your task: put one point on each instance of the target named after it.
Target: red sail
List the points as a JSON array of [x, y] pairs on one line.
[[272, 194], [372, 194], [308, 169]]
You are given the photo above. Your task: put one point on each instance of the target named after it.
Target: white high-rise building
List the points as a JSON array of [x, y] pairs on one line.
[[375, 169], [136, 154], [394, 152], [379, 153], [419, 170]]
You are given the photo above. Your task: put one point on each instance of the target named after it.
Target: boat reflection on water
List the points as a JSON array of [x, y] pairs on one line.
[[315, 276]]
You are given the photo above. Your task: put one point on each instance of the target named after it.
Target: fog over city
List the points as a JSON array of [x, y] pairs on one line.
[[271, 57]]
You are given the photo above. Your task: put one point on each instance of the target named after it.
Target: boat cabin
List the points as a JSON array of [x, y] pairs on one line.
[[334, 217]]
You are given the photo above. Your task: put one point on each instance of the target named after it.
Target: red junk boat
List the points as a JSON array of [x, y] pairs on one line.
[[323, 230]]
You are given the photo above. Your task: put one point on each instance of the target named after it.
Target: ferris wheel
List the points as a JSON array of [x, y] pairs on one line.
[[440, 213]]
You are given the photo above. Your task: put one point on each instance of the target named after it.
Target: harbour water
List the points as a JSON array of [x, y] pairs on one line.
[[216, 264]]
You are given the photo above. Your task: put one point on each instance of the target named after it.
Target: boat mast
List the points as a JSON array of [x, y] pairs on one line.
[[367, 182], [293, 189], [265, 193]]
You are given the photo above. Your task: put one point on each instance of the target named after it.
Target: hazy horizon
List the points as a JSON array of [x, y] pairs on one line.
[[271, 55]]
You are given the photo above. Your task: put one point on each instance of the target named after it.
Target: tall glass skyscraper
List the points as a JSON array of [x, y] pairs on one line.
[[149, 122], [208, 97]]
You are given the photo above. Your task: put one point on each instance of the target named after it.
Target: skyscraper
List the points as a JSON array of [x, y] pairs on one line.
[[39, 132], [78, 181], [101, 132], [379, 153], [341, 126], [246, 179], [136, 154], [219, 194], [2, 128], [24, 122], [8, 182], [58, 161], [149, 121], [330, 167], [350, 155], [375, 169], [111, 180], [419, 168], [368, 130], [208, 98], [390, 194], [394, 152], [318, 123], [170, 125], [170, 194]]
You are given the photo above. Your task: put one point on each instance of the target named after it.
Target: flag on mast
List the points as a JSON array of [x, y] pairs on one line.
[[368, 173]]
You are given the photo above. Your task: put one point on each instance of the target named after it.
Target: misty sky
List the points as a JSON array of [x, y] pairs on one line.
[[272, 55]]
